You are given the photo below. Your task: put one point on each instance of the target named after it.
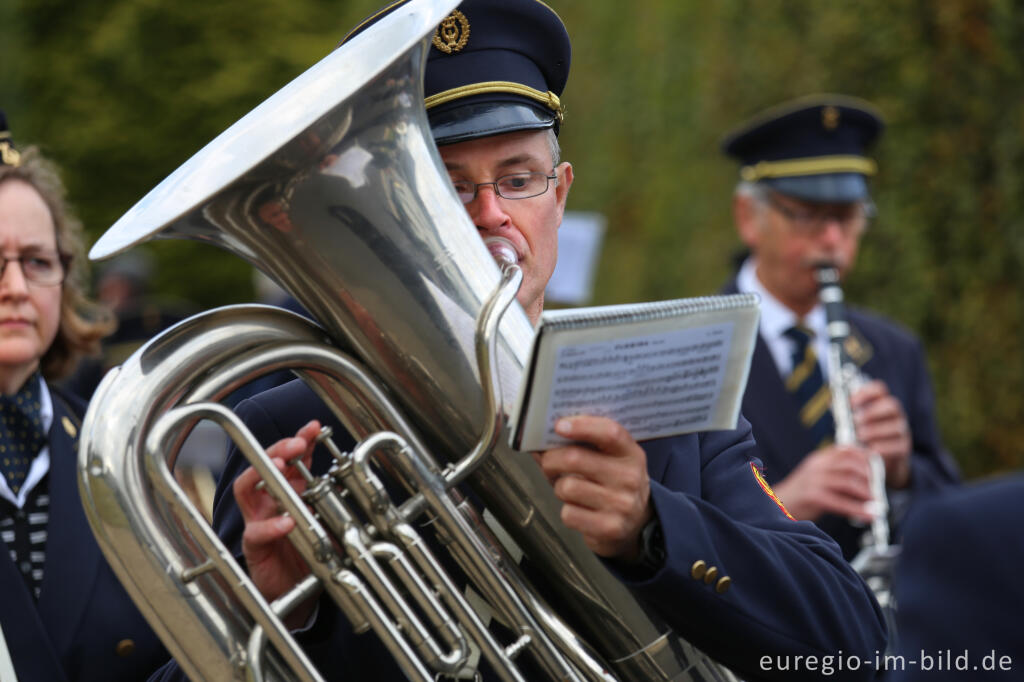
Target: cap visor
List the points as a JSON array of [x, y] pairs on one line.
[[472, 121], [829, 188]]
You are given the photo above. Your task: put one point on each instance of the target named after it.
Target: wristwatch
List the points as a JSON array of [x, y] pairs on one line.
[[652, 547]]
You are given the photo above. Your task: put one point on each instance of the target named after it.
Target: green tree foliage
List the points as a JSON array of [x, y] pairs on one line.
[[654, 90], [121, 92]]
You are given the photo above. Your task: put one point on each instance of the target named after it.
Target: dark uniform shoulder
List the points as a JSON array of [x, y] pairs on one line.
[[71, 401], [878, 325]]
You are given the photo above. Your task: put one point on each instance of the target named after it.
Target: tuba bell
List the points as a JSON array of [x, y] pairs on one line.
[[333, 187]]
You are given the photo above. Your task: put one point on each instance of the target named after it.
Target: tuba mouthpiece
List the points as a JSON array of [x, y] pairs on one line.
[[502, 250]]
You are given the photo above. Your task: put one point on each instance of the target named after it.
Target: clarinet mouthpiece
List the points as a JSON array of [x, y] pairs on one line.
[[827, 273]]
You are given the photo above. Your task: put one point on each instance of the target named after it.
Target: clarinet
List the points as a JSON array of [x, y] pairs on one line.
[[876, 558], [845, 377]]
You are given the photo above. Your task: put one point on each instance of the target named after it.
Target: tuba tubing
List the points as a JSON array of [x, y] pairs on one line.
[[193, 557], [370, 238]]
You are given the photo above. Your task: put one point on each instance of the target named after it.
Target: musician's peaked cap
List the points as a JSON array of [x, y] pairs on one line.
[[495, 66], [813, 148], [9, 156]]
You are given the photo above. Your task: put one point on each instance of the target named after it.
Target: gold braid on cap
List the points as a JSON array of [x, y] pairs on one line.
[[9, 156], [548, 99], [817, 165]]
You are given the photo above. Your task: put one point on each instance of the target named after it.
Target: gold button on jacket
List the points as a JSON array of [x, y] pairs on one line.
[[125, 648]]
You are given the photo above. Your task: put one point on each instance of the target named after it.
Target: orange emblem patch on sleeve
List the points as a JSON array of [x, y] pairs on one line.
[[768, 490]]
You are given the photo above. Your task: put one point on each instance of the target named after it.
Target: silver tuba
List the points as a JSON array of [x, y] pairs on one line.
[[333, 187]]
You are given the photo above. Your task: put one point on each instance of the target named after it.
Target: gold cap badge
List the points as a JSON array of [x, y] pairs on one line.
[[452, 34], [830, 118]]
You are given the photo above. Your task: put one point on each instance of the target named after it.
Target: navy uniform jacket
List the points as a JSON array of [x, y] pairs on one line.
[[897, 358], [958, 585], [791, 591], [84, 626]]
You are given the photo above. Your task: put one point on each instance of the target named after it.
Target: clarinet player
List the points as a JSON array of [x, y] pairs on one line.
[[803, 200]]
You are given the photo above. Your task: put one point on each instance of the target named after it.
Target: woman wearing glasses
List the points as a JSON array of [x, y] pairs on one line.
[[63, 614]]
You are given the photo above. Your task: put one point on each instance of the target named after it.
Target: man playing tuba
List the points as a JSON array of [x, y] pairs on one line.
[[687, 523]]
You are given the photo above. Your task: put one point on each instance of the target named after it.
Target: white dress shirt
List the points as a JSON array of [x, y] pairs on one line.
[[776, 318]]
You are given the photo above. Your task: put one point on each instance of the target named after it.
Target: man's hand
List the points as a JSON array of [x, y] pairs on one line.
[[833, 480], [275, 566], [602, 479], [882, 427]]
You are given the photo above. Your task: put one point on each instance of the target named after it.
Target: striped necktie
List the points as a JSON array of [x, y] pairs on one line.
[[21, 433], [807, 385]]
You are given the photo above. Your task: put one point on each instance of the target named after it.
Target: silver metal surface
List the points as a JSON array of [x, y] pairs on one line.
[[844, 378], [876, 560], [333, 188]]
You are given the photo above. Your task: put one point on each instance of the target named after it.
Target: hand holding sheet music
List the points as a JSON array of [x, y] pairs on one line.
[[659, 369]]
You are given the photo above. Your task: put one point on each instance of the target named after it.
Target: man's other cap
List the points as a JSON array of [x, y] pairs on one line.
[[9, 156], [813, 148], [495, 66]]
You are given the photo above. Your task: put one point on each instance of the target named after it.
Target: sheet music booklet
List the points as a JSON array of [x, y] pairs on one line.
[[660, 369]]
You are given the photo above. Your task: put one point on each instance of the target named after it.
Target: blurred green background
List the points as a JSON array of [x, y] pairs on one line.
[[121, 92]]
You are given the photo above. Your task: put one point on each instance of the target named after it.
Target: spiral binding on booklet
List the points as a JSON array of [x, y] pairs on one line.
[[660, 368]]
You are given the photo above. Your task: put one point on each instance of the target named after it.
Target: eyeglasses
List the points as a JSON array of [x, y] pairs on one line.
[[42, 268], [512, 186], [812, 220]]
